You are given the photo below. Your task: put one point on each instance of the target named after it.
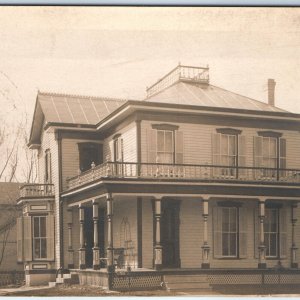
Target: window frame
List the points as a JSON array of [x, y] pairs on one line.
[[88, 146], [276, 233], [39, 237]]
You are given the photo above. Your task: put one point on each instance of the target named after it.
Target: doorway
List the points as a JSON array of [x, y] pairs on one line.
[[170, 223]]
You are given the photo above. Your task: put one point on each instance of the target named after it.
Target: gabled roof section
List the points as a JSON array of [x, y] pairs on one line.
[[69, 110], [208, 95]]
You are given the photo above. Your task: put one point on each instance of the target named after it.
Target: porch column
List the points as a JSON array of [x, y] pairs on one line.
[[262, 248], [81, 238], [205, 247], [110, 244], [70, 246], [157, 245], [96, 255], [294, 263]]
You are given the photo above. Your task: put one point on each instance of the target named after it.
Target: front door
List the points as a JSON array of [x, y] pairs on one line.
[[170, 233]]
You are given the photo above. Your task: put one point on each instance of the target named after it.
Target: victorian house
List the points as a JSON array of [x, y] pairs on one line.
[[194, 180]]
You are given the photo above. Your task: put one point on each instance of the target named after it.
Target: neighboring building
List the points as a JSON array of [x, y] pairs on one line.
[[9, 193], [192, 180]]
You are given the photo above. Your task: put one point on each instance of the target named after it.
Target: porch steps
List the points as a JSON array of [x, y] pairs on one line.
[[71, 278], [187, 283]]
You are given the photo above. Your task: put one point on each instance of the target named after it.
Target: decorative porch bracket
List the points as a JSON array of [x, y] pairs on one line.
[[262, 248], [96, 251], [205, 247], [82, 264], [294, 263], [157, 247]]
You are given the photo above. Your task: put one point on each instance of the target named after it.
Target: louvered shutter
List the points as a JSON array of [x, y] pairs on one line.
[[216, 154], [27, 230], [20, 239], [179, 147], [242, 154], [243, 229], [50, 237], [282, 157], [258, 155], [151, 140], [283, 232], [217, 227], [256, 223], [120, 150], [49, 168]]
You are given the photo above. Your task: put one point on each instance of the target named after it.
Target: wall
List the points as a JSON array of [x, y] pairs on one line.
[[191, 236], [198, 139]]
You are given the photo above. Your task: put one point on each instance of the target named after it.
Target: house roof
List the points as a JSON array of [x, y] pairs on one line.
[[76, 109], [9, 192], [208, 95], [70, 110]]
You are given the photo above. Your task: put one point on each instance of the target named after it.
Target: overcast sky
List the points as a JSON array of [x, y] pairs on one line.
[[117, 52]]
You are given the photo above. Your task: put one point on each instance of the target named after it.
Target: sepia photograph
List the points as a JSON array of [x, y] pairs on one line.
[[149, 151]]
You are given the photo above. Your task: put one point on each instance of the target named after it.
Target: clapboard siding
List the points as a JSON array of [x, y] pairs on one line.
[[198, 143], [126, 209], [147, 229], [128, 134], [191, 222], [48, 141], [70, 158]]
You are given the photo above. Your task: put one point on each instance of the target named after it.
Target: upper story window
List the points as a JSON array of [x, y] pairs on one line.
[[230, 231], [165, 144], [269, 153], [47, 175], [228, 149], [118, 149], [89, 153]]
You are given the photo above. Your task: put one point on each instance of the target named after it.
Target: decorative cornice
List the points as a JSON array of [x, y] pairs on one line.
[[170, 127], [269, 133], [231, 131]]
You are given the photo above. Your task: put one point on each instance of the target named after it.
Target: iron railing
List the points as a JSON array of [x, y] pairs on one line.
[[184, 172], [37, 190]]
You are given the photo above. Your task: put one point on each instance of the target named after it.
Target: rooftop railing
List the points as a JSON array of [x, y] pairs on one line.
[[37, 190], [184, 172], [184, 73]]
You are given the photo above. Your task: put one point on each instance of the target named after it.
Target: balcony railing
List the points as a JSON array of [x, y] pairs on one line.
[[184, 172], [37, 190]]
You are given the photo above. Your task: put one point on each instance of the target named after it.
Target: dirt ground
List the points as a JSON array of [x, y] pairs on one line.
[[79, 290]]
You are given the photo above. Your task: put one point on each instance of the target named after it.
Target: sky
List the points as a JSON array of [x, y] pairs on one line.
[[119, 51]]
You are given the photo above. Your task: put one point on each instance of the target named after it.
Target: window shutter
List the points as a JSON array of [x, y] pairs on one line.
[[20, 239], [243, 228], [283, 232], [258, 154], [27, 238], [216, 155], [242, 154], [256, 232], [179, 147], [282, 156], [50, 237], [217, 226], [49, 168], [151, 139]]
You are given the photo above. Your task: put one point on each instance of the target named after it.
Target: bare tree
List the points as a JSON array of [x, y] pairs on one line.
[[9, 214]]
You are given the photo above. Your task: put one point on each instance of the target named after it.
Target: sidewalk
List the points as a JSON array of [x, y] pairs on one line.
[[7, 291]]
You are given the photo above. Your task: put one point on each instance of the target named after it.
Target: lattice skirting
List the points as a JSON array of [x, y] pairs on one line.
[[253, 279], [136, 281]]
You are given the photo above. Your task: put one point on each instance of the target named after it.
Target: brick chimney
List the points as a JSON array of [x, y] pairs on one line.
[[271, 92]]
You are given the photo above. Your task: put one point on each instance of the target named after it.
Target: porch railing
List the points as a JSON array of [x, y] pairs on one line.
[[184, 172], [37, 190]]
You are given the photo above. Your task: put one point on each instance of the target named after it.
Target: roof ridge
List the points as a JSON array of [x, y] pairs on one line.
[[248, 97], [82, 96]]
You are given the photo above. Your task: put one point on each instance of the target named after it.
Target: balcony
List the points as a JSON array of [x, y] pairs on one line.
[[116, 170], [37, 191]]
